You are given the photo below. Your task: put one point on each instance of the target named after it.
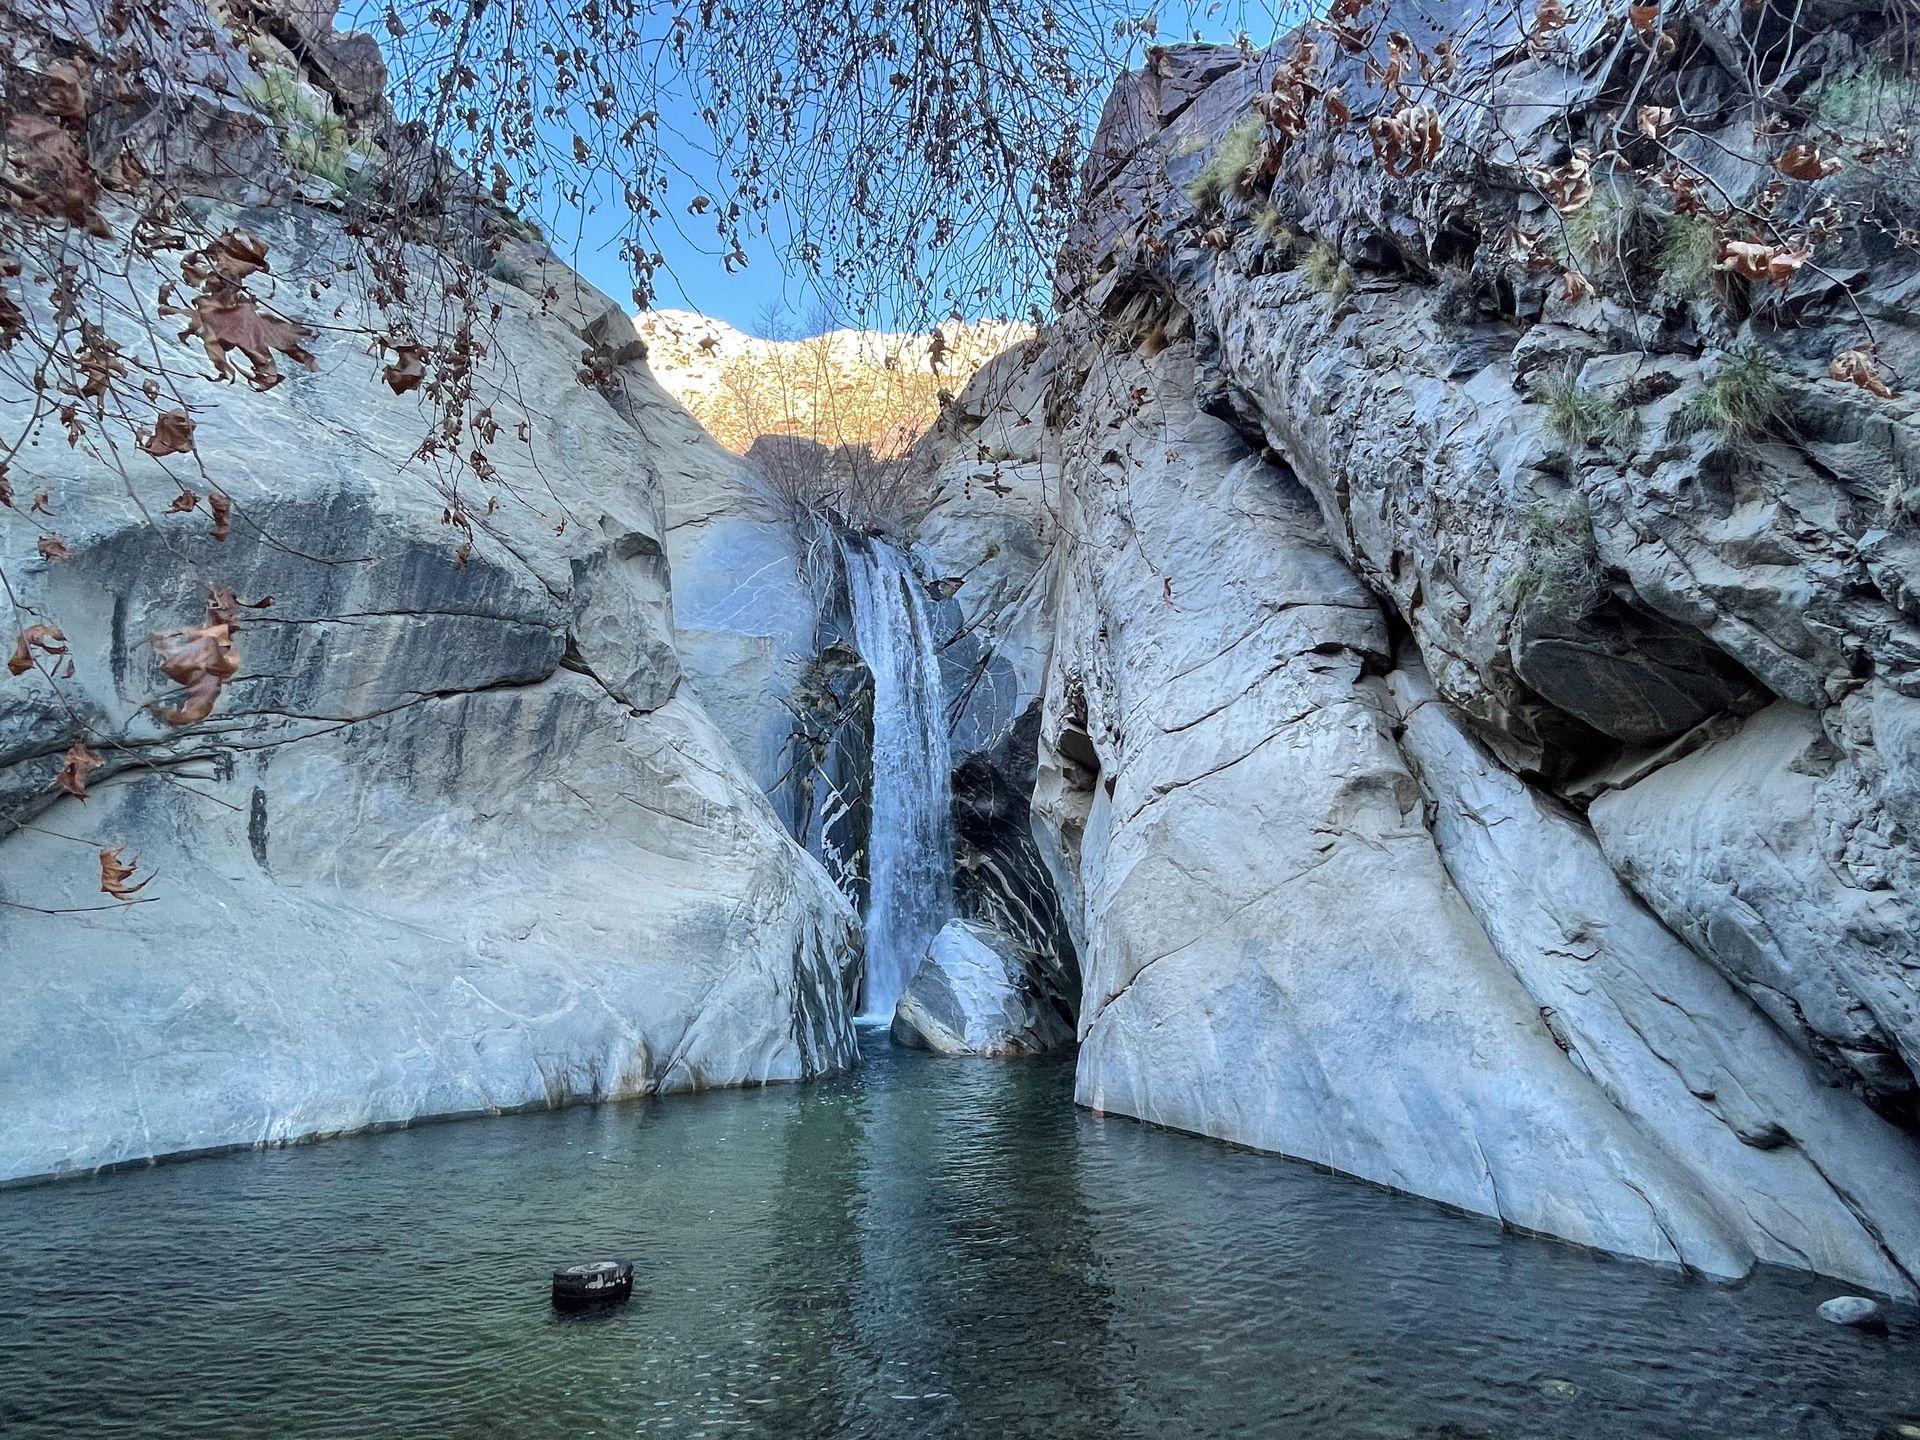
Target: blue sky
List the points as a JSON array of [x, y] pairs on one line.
[[694, 278], [769, 292]]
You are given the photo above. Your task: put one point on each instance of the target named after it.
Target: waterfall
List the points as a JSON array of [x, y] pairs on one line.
[[909, 845]]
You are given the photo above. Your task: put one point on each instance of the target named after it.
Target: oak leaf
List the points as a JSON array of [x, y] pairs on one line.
[[52, 547], [78, 763], [1856, 367], [221, 507], [47, 639], [172, 435]]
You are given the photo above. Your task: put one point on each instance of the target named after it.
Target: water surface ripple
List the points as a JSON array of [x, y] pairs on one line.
[[924, 1248]]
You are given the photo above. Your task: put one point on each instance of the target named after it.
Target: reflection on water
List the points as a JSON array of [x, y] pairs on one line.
[[926, 1248]]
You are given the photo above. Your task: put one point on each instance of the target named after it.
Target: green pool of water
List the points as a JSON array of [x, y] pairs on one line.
[[923, 1248]]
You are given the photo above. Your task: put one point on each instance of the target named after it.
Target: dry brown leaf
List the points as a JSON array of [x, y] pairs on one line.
[[99, 363], [1857, 367], [1351, 39], [172, 435], [1337, 108], [47, 174], [1655, 121], [1803, 161], [221, 506], [1526, 248], [409, 367], [1643, 17], [231, 257], [1757, 260], [1408, 141], [1575, 287], [227, 320], [224, 607], [52, 547], [1549, 19], [13, 321], [183, 502], [116, 872], [78, 763], [200, 660], [1570, 186], [47, 639]]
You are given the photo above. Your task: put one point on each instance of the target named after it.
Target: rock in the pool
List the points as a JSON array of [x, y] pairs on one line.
[[1855, 1311], [970, 996]]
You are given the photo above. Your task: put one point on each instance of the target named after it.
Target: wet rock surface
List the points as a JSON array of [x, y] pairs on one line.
[[974, 995]]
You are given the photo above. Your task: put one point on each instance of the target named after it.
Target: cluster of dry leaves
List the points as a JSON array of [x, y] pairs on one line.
[[1407, 134]]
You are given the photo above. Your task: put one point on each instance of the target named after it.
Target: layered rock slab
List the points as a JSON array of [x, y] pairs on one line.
[[1807, 1175]]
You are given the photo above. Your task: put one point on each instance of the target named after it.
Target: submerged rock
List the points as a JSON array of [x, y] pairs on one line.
[[972, 995]]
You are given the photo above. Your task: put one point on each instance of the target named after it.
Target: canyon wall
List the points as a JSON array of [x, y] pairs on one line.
[[456, 837], [1515, 814]]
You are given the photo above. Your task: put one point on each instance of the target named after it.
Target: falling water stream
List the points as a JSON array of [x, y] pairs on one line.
[[909, 846]]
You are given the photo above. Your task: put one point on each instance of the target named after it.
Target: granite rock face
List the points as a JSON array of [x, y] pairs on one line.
[[1805, 1173], [974, 995], [1276, 949], [987, 543], [455, 839], [746, 617], [1594, 606], [1742, 847], [1523, 819]]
